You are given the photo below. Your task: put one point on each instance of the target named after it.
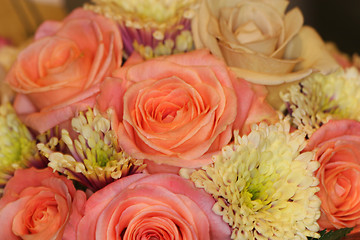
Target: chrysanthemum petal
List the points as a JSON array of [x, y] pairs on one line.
[[264, 186]]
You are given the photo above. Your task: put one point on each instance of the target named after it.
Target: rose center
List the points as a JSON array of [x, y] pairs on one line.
[[55, 57], [342, 186], [167, 106], [248, 32], [38, 218]]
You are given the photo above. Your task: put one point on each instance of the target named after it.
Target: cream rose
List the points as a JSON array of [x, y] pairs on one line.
[[259, 41]]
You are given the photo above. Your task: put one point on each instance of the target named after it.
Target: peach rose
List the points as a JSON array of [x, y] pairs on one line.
[[60, 72], [259, 41], [39, 204], [337, 147], [180, 110], [159, 206]]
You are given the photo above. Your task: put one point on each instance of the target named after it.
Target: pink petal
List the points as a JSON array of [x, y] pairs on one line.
[[47, 28], [333, 129]]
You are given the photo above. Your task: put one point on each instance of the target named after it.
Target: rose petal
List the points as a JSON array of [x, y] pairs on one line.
[[47, 28], [332, 130], [7, 213]]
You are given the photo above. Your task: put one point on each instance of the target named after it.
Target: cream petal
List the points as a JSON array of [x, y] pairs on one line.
[[226, 32], [248, 32], [249, 23], [293, 22], [256, 62], [275, 83], [309, 46], [272, 79], [261, 47], [279, 5], [265, 18], [214, 6], [201, 34], [266, 47]]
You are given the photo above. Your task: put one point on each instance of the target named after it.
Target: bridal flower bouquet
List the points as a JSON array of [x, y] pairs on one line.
[[184, 119]]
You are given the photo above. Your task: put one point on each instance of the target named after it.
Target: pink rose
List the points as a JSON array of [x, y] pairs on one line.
[[159, 206], [179, 110], [38, 204], [60, 72], [337, 146]]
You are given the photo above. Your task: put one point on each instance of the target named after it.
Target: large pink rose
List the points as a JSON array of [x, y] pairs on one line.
[[159, 206], [181, 109], [39, 204], [337, 146], [60, 72]]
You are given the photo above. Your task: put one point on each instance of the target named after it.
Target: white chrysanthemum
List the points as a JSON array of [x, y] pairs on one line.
[[264, 186], [151, 27], [320, 98], [93, 158]]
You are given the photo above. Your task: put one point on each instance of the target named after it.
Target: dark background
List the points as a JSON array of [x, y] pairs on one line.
[[335, 20]]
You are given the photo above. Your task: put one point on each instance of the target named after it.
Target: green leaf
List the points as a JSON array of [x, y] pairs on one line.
[[333, 235]]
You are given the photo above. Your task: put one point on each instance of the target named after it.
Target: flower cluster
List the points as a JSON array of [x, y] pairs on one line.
[[193, 119]]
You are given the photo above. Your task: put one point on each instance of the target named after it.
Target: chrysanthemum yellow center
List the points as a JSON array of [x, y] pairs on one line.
[[94, 155], [17, 146], [264, 186], [16, 143], [257, 187]]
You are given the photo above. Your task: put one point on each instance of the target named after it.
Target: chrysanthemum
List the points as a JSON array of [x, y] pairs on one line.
[[263, 185], [152, 27], [17, 146], [320, 98], [93, 158]]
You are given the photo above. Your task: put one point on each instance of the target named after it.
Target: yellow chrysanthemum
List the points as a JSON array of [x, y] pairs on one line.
[[151, 27], [93, 158], [320, 98], [17, 146], [263, 186]]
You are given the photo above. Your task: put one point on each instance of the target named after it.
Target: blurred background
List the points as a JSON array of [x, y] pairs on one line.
[[335, 21]]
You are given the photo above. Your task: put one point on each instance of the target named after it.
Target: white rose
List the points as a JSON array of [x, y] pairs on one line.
[[260, 42]]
